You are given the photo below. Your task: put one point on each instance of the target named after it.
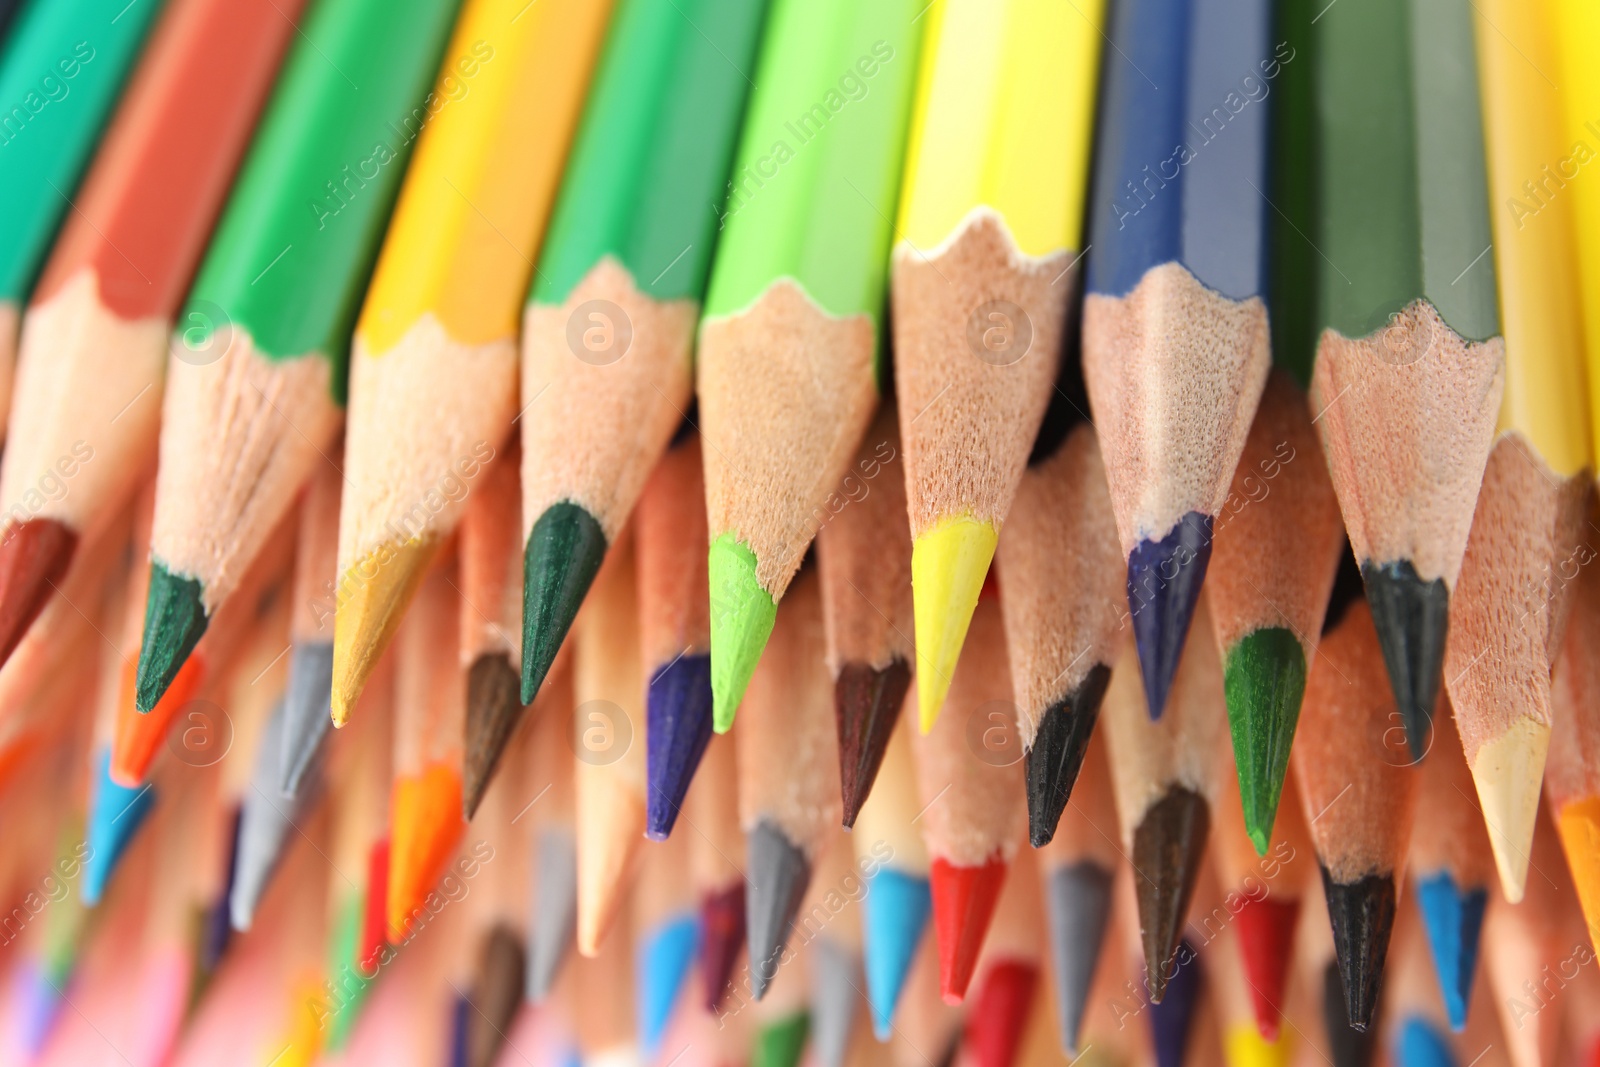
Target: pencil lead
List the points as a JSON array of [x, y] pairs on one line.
[[948, 565], [1078, 896], [497, 996], [742, 615], [1266, 944], [115, 814], [677, 731], [1362, 916], [1453, 918], [666, 955], [776, 879], [999, 1018], [867, 704], [265, 819], [174, 620], [1245, 1047], [425, 826], [895, 914], [307, 712], [1169, 845], [722, 931], [555, 913], [493, 712], [1164, 580], [1052, 764], [374, 932], [1579, 825], [781, 1043], [34, 555], [1172, 1015], [1349, 1046], [460, 1039], [138, 736], [1263, 679], [373, 597], [1509, 773], [835, 985], [565, 549], [963, 903], [1412, 618], [1420, 1044]]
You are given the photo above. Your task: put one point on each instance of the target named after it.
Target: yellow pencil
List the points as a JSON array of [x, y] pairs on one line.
[[433, 374], [991, 216], [1506, 616], [1570, 61]]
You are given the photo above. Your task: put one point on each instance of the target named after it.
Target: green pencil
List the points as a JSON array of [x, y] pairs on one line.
[[609, 325], [61, 69], [256, 384], [788, 372]]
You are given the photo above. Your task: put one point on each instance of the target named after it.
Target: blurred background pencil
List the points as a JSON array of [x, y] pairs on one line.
[[789, 368], [1009, 971], [1409, 369], [433, 374], [830, 927], [609, 323], [1175, 346], [666, 916], [989, 236], [306, 715], [716, 867], [114, 282], [256, 382], [85, 48], [1572, 28], [1524, 945], [550, 771], [1572, 775]]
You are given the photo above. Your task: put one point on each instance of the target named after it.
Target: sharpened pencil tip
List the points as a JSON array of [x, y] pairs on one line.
[[174, 621], [564, 551], [425, 826], [1579, 825], [835, 989], [1164, 581], [555, 913], [1348, 1045], [493, 712], [665, 957], [1453, 918], [742, 614], [781, 1043], [307, 712], [1412, 618], [722, 929], [496, 996], [265, 821], [1263, 681], [373, 597], [775, 883], [1078, 896], [948, 565], [1509, 773], [1362, 916], [138, 736], [1420, 1044], [963, 905], [1172, 1015], [1169, 845], [34, 556], [1266, 944], [867, 704], [115, 814], [677, 731], [1000, 1011], [1053, 763], [894, 915]]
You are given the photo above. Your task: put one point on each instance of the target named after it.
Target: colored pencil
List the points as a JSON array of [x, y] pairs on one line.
[[1409, 370], [1175, 347], [788, 364], [666, 918], [674, 630], [306, 716], [114, 282], [716, 854], [500, 895], [1525, 953], [267, 822], [609, 323], [781, 1021], [929, 1030], [491, 622], [973, 816], [989, 235], [788, 805], [894, 913], [433, 372], [1173, 1019], [830, 928], [1342, 1043], [1418, 1033], [1236, 1003], [256, 387], [1511, 588], [1571, 25], [1277, 547], [1572, 775], [1165, 777], [609, 779], [864, 563], [1263, 894], [555, 895], [1078, 867], [1358, 792], [425, 821], [1062, 611], [1453, 866], [1009, 971], [603, 1020], [67, 61]]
